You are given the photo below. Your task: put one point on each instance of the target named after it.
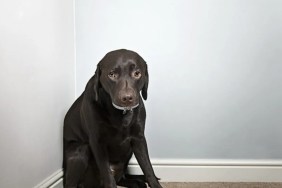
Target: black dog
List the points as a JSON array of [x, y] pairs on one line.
[[105, 126]]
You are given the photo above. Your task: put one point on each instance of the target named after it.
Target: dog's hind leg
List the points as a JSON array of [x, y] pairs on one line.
[[76, 165], [135, 177], [132, 181]]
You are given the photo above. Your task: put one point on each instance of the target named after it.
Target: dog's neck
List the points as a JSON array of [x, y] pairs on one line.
[[125, 116], [125, 109], [127, 119]]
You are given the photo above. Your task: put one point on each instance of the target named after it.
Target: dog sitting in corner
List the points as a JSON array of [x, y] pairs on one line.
[[105, 126]]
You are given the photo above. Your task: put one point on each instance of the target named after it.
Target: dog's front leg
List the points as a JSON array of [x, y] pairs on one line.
[[102, 160], [91, 122], [140, 150]]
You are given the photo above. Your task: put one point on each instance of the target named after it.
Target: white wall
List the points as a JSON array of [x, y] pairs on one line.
[[215, 71], [215, 77], [37, 87]]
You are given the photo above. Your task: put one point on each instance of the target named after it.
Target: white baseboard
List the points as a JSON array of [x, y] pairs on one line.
[[53, 181], [178, 170]]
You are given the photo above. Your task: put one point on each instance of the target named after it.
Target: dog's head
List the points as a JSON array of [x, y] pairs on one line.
[[122, 74]]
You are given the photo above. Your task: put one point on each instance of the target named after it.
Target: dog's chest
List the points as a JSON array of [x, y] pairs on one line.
[[120, 128], [121, 137], [119, 146]]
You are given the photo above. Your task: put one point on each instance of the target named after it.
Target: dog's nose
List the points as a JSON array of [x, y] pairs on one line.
[[127, 98]]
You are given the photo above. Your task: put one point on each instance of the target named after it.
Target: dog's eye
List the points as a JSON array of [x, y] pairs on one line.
[[136, 74], [112, 75]]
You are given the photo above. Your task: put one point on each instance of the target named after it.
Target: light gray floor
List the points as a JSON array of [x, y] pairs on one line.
[[221, 185]]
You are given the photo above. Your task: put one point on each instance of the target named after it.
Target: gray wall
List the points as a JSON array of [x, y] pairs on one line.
[[37, 87], [215, 71]]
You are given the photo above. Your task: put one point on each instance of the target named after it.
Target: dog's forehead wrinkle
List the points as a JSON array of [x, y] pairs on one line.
[[119, 65], [123, 61], [124, 67], [127, 62]]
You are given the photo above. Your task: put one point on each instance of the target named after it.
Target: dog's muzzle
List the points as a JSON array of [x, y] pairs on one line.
[[129, 108]]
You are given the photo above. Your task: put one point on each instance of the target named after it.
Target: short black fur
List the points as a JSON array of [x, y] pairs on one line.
[[99, 139]]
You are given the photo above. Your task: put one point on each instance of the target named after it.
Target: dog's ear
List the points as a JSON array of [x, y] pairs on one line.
[[96, 83], [145, 87]]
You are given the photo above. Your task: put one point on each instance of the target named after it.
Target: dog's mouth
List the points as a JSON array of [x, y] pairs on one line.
[[125, 108]]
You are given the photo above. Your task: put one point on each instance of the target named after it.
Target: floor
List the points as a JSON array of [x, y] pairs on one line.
[[222, 185]]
